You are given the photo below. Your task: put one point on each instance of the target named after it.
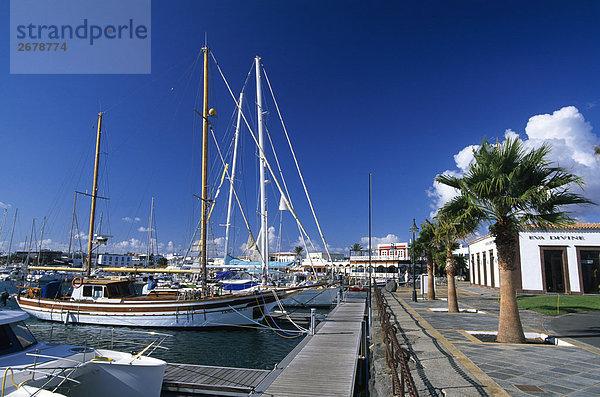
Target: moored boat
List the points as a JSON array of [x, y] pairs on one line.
[[115, 302], [46, 369]]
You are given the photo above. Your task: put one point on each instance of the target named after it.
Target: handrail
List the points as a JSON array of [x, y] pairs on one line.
[[394, 353]]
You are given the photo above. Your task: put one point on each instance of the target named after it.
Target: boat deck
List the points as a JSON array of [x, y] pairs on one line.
[[187, 379], [323, 364]]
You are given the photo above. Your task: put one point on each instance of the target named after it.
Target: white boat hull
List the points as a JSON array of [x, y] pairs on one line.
[[314, 297], [218, 312], [114, 374]]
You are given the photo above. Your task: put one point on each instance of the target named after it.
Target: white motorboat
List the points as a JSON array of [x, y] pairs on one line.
[[45, 369]]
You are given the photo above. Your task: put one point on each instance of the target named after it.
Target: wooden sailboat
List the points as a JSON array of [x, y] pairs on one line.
[[114, 302]]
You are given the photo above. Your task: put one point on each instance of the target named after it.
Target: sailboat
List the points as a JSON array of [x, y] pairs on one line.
[[115, 302]]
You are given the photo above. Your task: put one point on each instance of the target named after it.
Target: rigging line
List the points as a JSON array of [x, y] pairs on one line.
[[300, 230], [290, 200], [268, 313], [152, 80], [286, 313], [278, 165], [234, 191], [297, 165], [70, 178], [267, 163]]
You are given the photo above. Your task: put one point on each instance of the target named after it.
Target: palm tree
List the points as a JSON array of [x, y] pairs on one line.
[[512, 188], [298, 251], [426, 243], [356, 247], [597, 150], [453, 225]]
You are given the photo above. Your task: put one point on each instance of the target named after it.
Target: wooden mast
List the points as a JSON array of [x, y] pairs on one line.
[[94, 194], [205, 114]]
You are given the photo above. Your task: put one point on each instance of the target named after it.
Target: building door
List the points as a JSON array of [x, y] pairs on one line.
[[492, 268], [590, 271], [483, 257], [553, 270]]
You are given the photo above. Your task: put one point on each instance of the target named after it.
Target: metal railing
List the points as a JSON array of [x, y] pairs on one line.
[[402, 383]]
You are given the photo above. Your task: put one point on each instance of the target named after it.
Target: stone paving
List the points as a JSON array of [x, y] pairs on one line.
[[518, 369]]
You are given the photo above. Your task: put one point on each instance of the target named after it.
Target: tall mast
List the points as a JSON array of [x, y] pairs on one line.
[[11, 236], [30, 242], [204, 199], [3, 219], [232, 176], [41, 241], [72, 223], [94, 194], [150, 241], [264, 249]]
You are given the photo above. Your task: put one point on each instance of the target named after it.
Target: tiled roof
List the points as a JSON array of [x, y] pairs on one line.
[[575, 226]]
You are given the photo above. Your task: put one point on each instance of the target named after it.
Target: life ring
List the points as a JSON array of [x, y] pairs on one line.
[[77, 282]]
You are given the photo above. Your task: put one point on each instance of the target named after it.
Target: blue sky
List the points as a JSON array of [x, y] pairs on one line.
[[396, 89]]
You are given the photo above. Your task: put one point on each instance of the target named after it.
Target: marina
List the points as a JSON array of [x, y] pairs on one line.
[[184, 206]]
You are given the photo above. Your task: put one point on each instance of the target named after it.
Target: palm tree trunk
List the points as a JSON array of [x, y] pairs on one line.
[[430, 277], [510, 329], [450, 270]]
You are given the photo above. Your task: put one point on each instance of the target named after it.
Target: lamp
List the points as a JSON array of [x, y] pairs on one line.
[[414, 229]]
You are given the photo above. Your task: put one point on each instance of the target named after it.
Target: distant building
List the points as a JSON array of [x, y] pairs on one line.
[[563, 260], [322, 256], [283, 256], [46, 257], [115, 260], [386, 261]]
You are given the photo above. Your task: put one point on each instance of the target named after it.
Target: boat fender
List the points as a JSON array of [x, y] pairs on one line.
[[77, 282]]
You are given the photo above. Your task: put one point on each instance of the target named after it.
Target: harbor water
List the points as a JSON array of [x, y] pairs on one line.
[[242, 347]]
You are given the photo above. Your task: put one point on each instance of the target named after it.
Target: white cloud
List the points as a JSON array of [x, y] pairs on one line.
[[131, 245], [390, 238], [130, 220], [572, 142], [143, 229], [441, 194], [4, 205], [465, 157]]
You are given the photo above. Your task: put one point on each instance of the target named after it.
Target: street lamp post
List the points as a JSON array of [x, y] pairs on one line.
[[414, 229]]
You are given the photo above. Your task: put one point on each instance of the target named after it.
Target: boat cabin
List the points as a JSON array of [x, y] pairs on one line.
[[14, 334], [101, 289]]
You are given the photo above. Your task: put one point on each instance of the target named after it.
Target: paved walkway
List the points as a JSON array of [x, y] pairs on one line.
[[450, 361]]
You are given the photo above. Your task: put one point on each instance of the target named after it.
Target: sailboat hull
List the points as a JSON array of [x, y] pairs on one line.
[[225, 311]]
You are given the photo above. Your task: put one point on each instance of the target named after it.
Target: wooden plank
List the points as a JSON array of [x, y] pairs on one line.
[[326, 364], [205, 379]]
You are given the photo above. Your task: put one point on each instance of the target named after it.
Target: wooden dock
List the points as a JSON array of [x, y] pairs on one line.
[[186, 379], [323, 364]]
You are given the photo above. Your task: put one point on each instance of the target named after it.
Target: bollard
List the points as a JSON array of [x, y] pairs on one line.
[[313, 320]]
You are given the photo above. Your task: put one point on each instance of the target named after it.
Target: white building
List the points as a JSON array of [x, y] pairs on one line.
[[322, 256], [386, 261], [114, 260], [559, 261], [283, 256]]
